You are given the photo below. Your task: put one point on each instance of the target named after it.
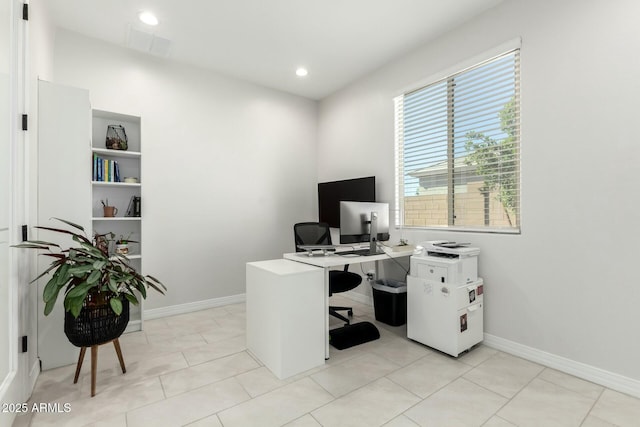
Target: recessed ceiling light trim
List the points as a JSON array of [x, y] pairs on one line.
[[148, 18]]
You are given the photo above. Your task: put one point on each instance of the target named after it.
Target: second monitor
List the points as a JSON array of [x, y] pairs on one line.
[[356, 223]]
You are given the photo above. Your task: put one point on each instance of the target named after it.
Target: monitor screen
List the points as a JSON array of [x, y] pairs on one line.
[[330, 194], [355, 219]]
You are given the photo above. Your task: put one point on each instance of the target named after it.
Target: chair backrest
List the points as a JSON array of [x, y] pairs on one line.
[[311, 233]]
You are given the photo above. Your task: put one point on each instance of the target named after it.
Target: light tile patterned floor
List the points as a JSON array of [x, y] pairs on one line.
[[194, 370]]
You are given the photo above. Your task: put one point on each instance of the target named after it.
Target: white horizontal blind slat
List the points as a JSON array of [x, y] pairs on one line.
[[457, 149]]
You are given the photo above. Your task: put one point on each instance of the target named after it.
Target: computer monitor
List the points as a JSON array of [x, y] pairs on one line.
[[355, 222], [330, 194]]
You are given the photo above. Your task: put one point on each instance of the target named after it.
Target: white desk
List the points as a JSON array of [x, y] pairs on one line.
[[336, 260], [285, 312]]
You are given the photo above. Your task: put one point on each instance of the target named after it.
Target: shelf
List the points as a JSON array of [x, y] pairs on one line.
[[110, 115], [131, 257], [115, 184], [116, 153], [116, 218]]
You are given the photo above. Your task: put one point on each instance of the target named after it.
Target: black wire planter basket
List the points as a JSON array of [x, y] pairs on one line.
[[97, 323]]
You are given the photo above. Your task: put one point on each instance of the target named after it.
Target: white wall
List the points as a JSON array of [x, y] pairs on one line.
[[228, 166], [41, 38], [568, 284]]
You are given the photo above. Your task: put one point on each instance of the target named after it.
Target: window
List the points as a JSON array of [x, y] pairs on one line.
[[458, 150]]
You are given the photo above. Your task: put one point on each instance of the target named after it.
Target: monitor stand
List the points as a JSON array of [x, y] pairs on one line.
[[373, 234]]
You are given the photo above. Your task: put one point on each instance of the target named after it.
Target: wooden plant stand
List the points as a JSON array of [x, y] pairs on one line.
[[94, 362]]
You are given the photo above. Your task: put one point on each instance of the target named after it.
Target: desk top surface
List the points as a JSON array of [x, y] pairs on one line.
[[283, 267], [335, 259]]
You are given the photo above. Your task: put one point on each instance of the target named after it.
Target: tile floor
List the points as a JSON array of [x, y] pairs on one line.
[[194, 370]]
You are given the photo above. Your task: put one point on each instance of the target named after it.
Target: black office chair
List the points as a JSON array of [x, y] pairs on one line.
[[317, 233]]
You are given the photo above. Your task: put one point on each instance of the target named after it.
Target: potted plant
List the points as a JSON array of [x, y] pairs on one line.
[[88, 275], [122, 244], [97, 291]]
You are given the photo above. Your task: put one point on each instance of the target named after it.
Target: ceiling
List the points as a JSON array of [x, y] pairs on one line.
[[264, 41]]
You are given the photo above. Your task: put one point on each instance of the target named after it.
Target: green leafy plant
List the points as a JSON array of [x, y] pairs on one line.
[[124, 240], [88, 269], [495, 159]]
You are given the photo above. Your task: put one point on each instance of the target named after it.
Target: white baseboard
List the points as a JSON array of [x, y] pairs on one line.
[[34, 374], [156, 313], [133, 326], [590, 373]]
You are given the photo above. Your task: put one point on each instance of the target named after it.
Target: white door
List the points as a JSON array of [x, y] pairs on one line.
[[7, 366], [64, 191], [5, 312], [11, 373]]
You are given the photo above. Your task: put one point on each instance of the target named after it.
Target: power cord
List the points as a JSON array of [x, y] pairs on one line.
[[406, 271]]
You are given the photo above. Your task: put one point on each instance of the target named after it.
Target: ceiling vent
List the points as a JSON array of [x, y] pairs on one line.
[[148, 43]]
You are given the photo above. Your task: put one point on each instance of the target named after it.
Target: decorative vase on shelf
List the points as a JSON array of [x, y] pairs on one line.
[[116, 138]]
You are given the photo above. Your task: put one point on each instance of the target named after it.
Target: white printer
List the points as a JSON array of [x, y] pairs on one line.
[[445, 297], [445, 262]]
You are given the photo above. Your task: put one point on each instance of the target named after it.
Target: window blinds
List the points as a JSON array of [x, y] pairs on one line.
[[458, 149]]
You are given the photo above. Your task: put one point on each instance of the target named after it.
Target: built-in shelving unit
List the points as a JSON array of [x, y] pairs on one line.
[[119, 194], [114, 184]]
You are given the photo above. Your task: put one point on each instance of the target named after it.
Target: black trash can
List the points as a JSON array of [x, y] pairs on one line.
[[390, 301]]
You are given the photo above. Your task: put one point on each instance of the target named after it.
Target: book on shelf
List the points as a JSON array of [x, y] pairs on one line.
[[105, 170]]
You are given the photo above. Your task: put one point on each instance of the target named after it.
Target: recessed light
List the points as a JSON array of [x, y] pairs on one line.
[[301, 72], [148, 18]]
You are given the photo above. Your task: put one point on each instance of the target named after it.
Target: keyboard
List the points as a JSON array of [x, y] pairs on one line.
[[360, 252]]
